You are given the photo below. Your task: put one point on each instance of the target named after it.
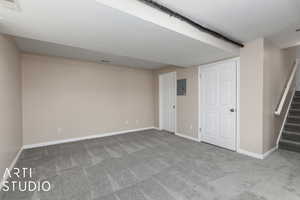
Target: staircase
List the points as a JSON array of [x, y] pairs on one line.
[[290, 139]]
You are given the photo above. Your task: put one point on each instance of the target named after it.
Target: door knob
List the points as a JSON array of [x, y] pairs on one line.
[[174, 106], [232, 110]]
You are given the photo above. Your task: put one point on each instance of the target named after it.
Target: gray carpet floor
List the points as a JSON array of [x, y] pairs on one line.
[[154, 165]]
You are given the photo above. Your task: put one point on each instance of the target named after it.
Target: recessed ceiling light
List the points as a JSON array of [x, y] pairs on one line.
[[105, 61]]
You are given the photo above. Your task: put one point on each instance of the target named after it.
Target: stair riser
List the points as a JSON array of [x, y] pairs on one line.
[[292, 137], [292, 128], [293, 120], [289, 147], [296, 99], [295, 106], [294, 112]]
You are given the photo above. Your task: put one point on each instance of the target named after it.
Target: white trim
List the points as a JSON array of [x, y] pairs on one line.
[[175, 94], [13, 163], [238, 97], [251, 154], [220, 62], [199, 104], [237, 60], [187, 137], [160, 100], [257, 155], [285, 117], [30, 146], [269, 152]]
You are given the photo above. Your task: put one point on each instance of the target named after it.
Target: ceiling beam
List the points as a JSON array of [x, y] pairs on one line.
[[189, 21]]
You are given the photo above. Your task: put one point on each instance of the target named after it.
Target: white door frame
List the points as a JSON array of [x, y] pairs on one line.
[[237, 59], [160, 100]]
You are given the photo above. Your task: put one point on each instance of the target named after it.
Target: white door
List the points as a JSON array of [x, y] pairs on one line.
[[218, 84], [167, 96]]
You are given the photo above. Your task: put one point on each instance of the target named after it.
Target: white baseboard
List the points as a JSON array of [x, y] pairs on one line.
[[251, 154], [257, 155], [13, 163], [30, 146], [187, 137], [269, 152]]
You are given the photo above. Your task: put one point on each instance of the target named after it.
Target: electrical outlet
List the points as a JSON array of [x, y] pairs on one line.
[[126, 122], [191, 127], [137, 121]]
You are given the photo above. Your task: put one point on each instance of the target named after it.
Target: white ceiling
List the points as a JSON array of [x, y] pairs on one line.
[[52, 49], [103, 31], [89, 30], [245, 20]]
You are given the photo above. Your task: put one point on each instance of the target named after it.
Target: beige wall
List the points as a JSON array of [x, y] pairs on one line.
[[10, 102], [277, 67], [187, 106], [264, 71], [64, 98], [294, 52], [251, 96]]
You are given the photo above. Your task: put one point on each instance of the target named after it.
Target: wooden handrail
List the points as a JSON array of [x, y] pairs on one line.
[[286, 89]]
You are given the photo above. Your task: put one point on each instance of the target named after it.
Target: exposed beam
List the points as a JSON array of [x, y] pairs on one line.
[[189, 21]]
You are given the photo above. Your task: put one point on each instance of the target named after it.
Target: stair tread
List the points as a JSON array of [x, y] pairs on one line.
[[291, 132], [294, 109], [290, 142], [290, 136], [294, 116], [292, 124]]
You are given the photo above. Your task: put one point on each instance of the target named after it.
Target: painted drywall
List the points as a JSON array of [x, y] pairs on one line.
[[251, 96], [264, 71], [10, 102], [155, 16], [294, 53], [64, 99], [277, 68], [187, 106]]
